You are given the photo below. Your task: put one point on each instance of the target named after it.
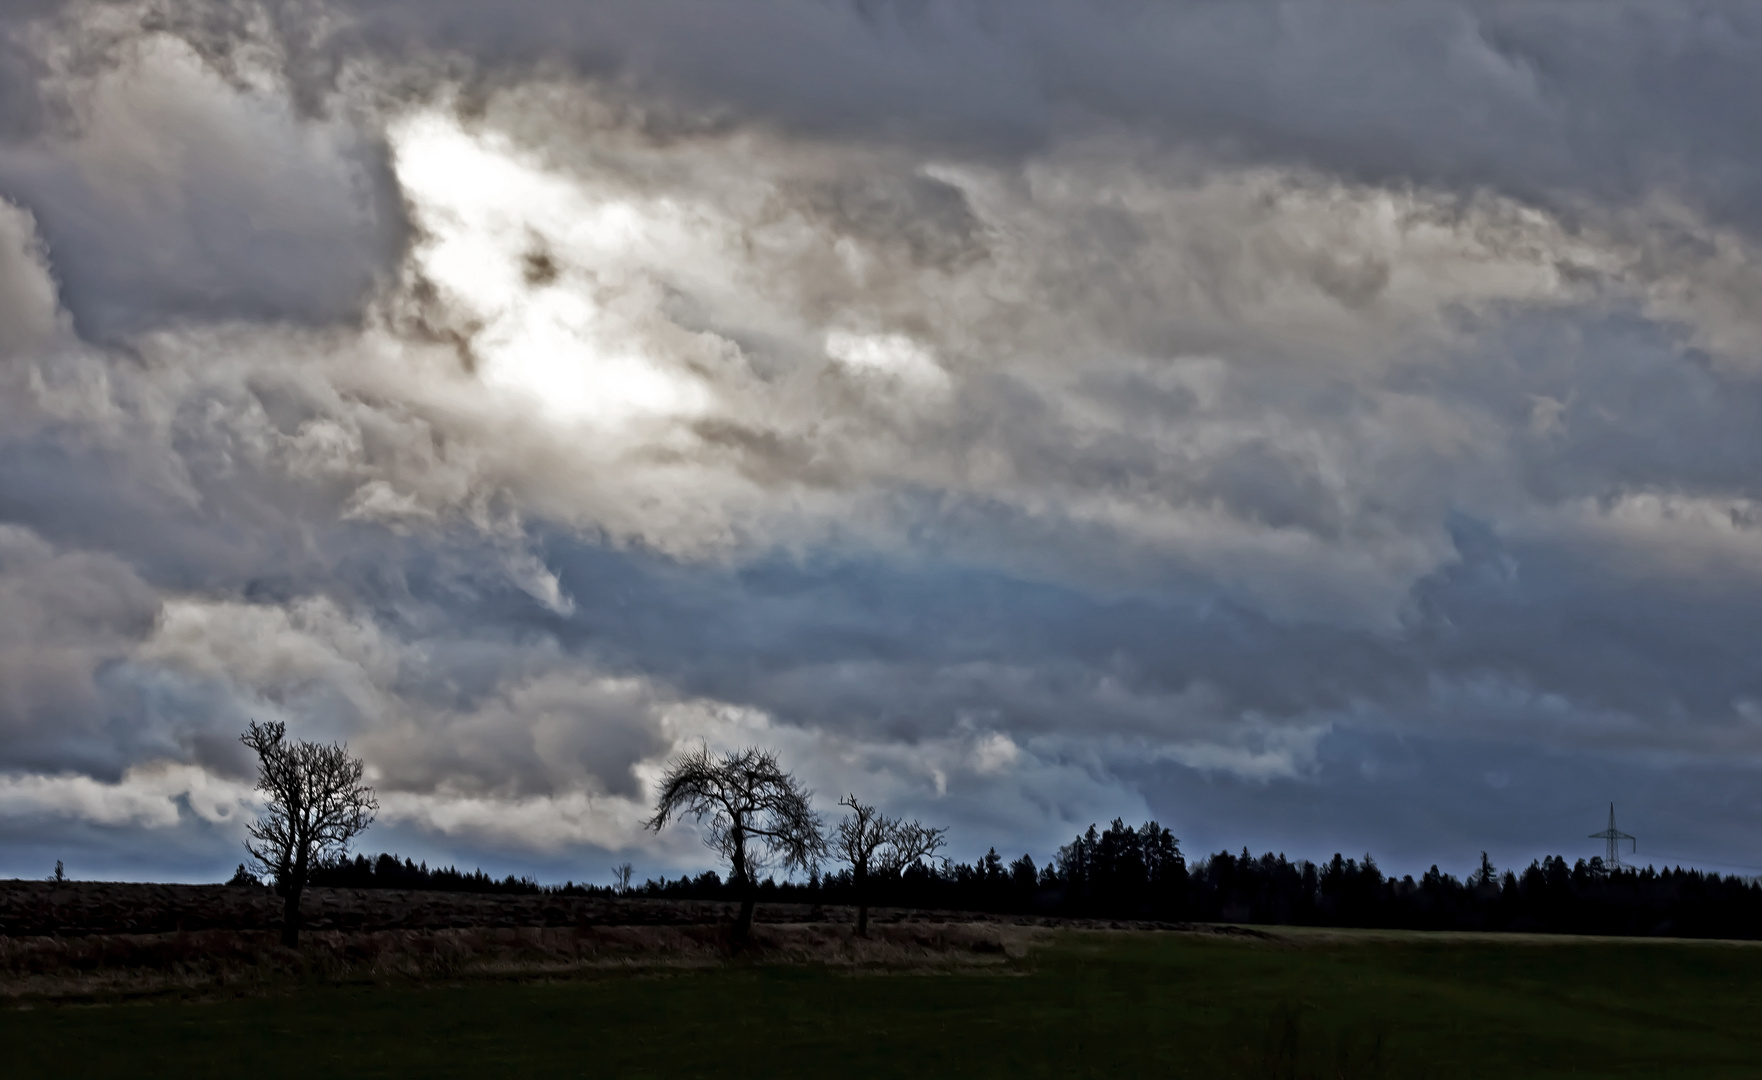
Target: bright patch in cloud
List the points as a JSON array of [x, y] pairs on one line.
[[888, 355], [524, 250]]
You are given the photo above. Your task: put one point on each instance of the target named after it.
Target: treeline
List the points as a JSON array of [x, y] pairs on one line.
[[1140, 873], [1123, 872], [387, 872], [1548, 896]]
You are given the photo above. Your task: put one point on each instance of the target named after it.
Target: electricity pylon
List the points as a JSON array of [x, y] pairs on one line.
[[1615, 837]]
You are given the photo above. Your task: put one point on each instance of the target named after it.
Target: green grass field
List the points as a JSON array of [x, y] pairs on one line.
[[1093, 1004]]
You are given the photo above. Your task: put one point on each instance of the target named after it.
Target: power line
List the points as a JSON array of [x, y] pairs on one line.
[[1615, 837], [1692, 861]]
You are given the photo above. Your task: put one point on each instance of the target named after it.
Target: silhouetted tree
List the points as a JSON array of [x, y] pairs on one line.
[[1075, 864], [912, 844], [858, 840], [317, 803], [871, 841], [754, 811], [1487, 875], [1160, 873]]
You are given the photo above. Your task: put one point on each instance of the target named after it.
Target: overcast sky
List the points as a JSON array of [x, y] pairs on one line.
[[1317, 426]]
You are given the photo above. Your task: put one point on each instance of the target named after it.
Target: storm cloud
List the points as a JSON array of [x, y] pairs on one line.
[[1323, 426]]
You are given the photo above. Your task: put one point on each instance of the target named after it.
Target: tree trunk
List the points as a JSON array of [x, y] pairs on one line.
[[743, 876], [861, 880], [290, 914], [744, 925]]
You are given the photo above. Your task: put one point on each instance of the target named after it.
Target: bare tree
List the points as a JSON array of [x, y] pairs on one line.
[[621, 876], [872, 842], [756, 814], [859, 840], [317, 803], [911, 844]]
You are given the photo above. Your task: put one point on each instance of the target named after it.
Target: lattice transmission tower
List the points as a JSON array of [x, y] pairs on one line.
[[1615, 837]]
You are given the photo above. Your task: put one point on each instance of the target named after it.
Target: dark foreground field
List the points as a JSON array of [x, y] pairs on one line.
[[1078, 1003]]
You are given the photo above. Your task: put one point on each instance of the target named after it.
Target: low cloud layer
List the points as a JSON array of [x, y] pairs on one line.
[[1303, 422]]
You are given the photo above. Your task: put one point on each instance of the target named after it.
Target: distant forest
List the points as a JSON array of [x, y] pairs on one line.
[[389, 872], [1123, 872]]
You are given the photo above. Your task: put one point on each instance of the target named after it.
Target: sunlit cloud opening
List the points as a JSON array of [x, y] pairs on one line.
[[523, 249], [889, 355]]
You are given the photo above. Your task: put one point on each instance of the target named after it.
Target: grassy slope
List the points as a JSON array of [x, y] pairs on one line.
[[1095, 1004]]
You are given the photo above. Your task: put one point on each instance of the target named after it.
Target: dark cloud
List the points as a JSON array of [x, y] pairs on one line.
[[66, 616], [164, 196], [1323, 427], [1610, 101], [1445, 801], [22, 110]]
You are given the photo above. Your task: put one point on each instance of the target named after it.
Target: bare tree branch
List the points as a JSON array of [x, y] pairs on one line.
[[862, 834], [911, 843], [871, 842], [317, 803], [752, 811]]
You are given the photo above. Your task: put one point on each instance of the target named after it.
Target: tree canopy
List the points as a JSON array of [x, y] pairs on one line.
[[316, 803], [752, 811]]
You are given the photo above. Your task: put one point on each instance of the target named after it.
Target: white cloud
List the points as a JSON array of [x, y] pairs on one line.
[[541, 823], [1259, 394], [888, 356], [1651, 534], [310, 660], [529, 258], [153, 795]]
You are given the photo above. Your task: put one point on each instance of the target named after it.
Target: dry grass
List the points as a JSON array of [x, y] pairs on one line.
[[103, 940], [108, 966]]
